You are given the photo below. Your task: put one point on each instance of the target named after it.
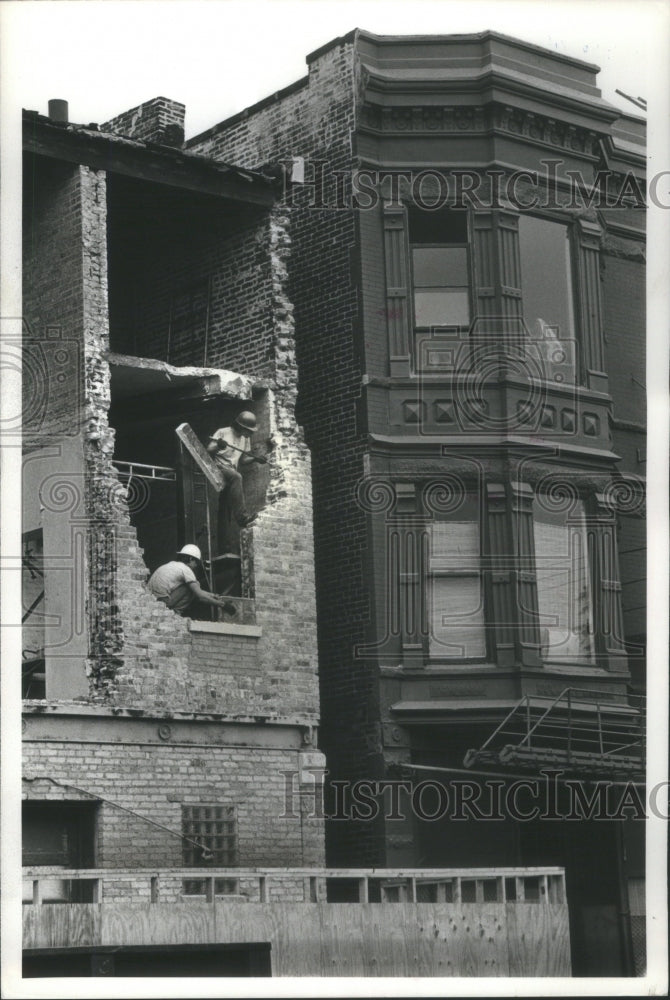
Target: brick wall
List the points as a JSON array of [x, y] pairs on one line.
[[159, 120], [52, 299], [140, 654], [165, 247], [315, 120], [154, 781]]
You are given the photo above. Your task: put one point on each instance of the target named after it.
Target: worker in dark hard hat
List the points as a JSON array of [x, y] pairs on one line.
[[230, 447], [176, 584]]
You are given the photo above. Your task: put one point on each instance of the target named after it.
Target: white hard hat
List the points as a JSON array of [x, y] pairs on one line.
[[191, 550]]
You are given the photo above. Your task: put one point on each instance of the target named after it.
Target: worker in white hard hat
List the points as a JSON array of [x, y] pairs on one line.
[[176, 584], [230, 447]]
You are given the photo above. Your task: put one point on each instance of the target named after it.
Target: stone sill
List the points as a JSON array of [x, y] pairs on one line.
[[226, 628]]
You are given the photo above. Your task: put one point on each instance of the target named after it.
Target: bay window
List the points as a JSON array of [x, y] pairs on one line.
[[564, 592], [440, 270], [455, 594], [546, 275]]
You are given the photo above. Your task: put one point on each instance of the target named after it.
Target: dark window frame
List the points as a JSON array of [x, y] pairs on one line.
[[465, 245], [589, 658], [473, 499], [572, 241]]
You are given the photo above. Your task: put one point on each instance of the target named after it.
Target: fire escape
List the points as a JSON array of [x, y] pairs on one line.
[[585, 733]]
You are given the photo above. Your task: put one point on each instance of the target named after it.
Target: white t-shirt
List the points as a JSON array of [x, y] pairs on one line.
[[171, 585], [231, 436]]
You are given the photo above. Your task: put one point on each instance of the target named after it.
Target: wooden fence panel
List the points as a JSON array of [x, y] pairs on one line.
[[157, 923], [539, 940], [332, 939], [61, 925]]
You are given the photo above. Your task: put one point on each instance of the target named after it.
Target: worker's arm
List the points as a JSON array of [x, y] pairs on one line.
[[207, 598]]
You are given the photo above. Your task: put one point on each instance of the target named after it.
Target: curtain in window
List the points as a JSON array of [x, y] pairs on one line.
[[455, 591], [563, 585]]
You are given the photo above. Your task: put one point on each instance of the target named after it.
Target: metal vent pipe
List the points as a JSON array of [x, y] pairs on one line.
[[58, 111]]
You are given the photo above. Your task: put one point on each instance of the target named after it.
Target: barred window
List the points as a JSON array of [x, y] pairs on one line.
[[210, 841]]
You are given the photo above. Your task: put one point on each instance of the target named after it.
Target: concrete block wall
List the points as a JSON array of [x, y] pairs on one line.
[[315, 119]]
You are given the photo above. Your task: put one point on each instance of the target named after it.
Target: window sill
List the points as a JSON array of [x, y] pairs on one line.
[[567, 666], [225, 628]]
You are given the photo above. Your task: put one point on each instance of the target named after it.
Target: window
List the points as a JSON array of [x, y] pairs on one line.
[[546, 278], [439, 250], [563, 582], [59, 835], [213, 828], [455, 595]]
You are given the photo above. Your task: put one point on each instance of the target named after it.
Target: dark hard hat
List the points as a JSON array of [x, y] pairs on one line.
[[247, 420]]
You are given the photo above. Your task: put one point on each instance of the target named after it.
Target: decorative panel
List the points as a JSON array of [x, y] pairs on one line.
[[397, 289]]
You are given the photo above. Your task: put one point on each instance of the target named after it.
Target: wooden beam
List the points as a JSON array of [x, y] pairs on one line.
[[162, 166]]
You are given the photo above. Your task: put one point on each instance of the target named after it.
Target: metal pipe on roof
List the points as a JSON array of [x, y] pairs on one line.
[[58, 111]]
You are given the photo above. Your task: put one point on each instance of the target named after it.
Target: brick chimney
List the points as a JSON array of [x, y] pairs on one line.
[[159, 120]]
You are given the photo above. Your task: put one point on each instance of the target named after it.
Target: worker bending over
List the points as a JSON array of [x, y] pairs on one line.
[[176, 585]]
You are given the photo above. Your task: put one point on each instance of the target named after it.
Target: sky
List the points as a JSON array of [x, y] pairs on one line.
[[219, 56]]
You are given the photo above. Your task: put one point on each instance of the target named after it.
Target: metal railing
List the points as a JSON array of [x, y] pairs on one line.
[[365, 885], [138, 470], [585, 731]]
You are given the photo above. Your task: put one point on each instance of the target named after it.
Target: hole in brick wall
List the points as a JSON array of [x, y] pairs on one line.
[[145, 419], [169, 500], [186, 283]]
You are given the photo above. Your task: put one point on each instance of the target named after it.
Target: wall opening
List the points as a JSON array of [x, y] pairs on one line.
[[59, 835], [186, 274]]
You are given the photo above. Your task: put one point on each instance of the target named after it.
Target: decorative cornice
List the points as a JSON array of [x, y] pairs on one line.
[[457, 119], [627, 246]]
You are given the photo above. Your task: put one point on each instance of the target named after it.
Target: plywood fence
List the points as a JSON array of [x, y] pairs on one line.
[[330, 939]]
